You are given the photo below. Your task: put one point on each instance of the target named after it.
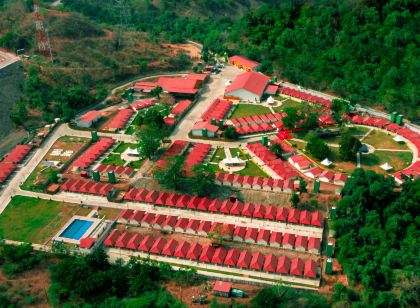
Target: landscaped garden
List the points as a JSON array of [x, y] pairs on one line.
[[36, 220], [251, 169], [114, 160], [288, 102], [246, 110]]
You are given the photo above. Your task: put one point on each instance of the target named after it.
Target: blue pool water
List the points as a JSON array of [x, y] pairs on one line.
[[76, 229]]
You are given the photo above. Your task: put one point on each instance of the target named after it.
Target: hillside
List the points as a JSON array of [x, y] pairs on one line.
[[365, 51], [88, 59]]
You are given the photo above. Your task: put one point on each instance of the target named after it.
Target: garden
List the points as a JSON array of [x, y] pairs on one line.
[[246, 110]]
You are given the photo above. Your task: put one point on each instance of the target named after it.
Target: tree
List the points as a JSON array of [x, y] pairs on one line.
[[292, 117], [149, 138], [276, 149], [157, 91], [339, 108], [302, 186], [349, 146], [203, 180], [311, 121], [172, 174], [230, 133], [317, 147], [294, 199]]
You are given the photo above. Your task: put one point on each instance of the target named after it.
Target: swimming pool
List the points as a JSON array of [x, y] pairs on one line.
[[76, 229]]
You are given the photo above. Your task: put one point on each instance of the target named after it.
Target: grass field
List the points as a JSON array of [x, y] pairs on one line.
[[356, 131], [288, 103], [122, 146], [136, 164], [245, 110], [114, 160], [35, 220], [131, 129], [381, 140], [219, 154]]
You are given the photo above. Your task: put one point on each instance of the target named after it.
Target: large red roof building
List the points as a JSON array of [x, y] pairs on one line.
[[248, 86]]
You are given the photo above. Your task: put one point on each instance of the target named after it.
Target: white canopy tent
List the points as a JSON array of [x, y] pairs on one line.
[[386, 167], [326, 162], [398, 138], [270, 100]]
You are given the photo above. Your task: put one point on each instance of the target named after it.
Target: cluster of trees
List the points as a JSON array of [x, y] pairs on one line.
[[349, 146], [18, 259], [93, 280], [199, 181], [377, 230], [317, 146]]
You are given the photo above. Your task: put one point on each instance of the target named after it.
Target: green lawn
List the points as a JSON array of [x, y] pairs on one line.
[[122, 146], [219, 154], [381, 140], [289, 103], [133, 128], [136, 164], [245, 110], [114, 160], [34, 220]]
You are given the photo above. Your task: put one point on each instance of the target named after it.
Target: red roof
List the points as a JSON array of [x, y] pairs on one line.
[[311, 269], [270, 212], [232, 257], [179, 85], [158, 220], [162, 198], [182, 249], [282, 214], [296, 267], [148, 218], [240, 232], [248, 209], [93, 152], [314, 243], [226, 206], [182, 223], [204, 204], [222, 286], [170, 247], [135, 241], [263, 235], [181, 107], [259, 211], [276, 237], [257, 261], [193, 224], [288, 239], [158, 245], [123, 240], [193, 203], [305, 218], [170, 221], [121, 118], [316, 219], [251, 233], [151, 197], [207, 254], [112, 238], [126, 214], [270, 264], [90, 116], [204, 226], [237, 208], [219, 255], [294, 215], [215, 205], [250, 81], [18, 153], [243, 61], [205, 125], [283, 266], [301, 241], [146, 243], [87, 242], [194, 252], [244, 259]]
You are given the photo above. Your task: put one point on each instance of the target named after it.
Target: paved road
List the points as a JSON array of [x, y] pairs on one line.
[[214, 89], [8, 59]]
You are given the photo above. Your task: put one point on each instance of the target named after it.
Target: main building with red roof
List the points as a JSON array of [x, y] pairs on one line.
[[249, 86]]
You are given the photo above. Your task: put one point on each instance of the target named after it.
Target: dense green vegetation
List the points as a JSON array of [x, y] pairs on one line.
[[378, 231], [320, 44], [135, 284]]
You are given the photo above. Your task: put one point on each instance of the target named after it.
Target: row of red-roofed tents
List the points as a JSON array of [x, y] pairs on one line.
[[254, 128], [89, 156], [254, 182], [120, 119], [305, 96], [197, 155], [12, 159], [281, 168], [369, 120], [209, 254], [120, 171], [257, 119], [139, 105], [217, 110], [222, 206], [6, 169], [86, 186], [227, 231], [178, 147]]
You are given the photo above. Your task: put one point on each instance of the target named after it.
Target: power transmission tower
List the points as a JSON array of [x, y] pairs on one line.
[[124, 21], [44, 45]]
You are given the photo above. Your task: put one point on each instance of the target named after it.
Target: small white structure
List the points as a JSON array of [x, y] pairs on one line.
[[326, 162], [132, 152], [398, 138], [270, 100], [231, 164], [386, 167]]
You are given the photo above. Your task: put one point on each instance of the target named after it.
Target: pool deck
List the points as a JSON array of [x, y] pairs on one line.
[[95, 223]]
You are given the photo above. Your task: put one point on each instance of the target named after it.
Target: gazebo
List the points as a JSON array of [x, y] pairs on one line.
[[386, 166], [270, 100], [326, 162]]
